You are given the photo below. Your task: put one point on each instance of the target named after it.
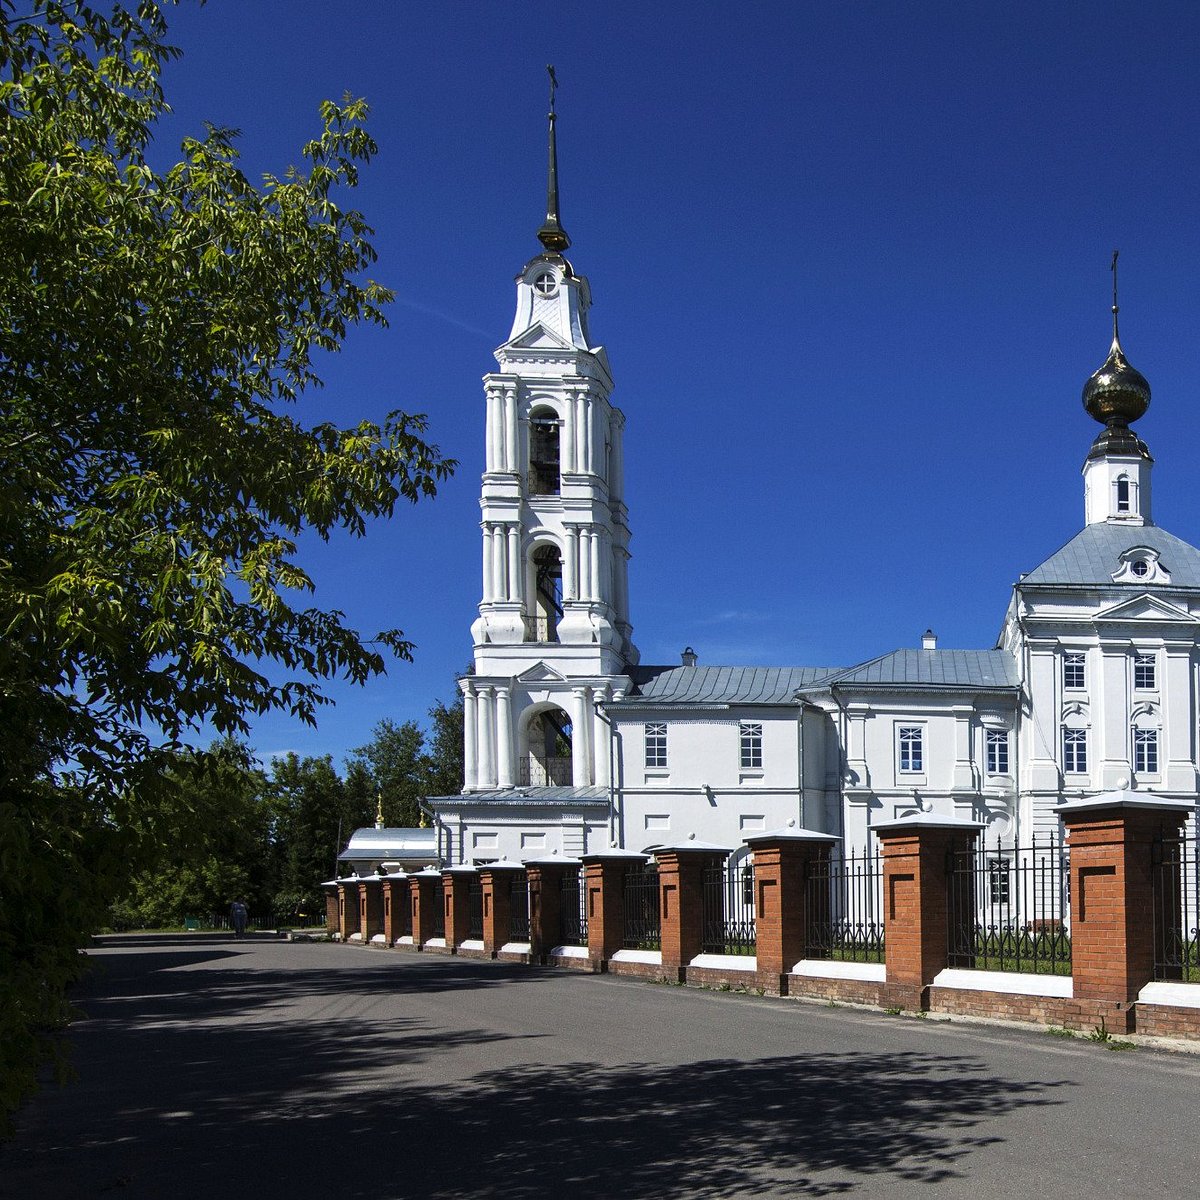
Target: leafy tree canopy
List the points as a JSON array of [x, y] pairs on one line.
[[154, 327]]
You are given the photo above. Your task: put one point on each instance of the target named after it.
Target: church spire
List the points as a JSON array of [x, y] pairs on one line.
[[552, 235]]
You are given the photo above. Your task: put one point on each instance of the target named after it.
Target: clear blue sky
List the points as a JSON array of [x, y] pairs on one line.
[[850, 262]]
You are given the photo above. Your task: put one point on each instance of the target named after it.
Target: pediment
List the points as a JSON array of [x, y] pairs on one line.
[[1148, 609], [538, 337], [540, 672]]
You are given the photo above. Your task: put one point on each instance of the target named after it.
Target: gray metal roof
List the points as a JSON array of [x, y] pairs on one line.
[[664, 687], [371, 843], [990, 670], [584, 797], [1093, 555]]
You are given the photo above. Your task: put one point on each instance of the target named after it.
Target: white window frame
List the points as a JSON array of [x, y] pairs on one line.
[[655, 733], [750, 749], [1074, 751], [910, 749], [1145, 671], [996, 741], [1072, 660], [1145, 751]]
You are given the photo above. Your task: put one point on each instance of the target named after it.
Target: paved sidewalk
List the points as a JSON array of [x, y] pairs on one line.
[[214, 1068]]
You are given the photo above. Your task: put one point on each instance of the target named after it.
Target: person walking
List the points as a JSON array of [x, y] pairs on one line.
[[237, 916]]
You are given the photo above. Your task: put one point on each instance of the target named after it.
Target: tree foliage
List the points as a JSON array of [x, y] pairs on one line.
[[154, 327]]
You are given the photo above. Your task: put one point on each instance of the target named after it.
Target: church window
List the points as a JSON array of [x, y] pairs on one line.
[[1073, 675], [1145, 751], [543, 453], [1122, 495], [1139, 567], [545, 283], [997, 751], [1143, 671], [656, 744], [912, 748], [751, 758], [1075, 751], [999, 881], [548, 602]]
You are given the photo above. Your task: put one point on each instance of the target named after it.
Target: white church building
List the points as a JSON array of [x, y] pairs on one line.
[[572, 745]]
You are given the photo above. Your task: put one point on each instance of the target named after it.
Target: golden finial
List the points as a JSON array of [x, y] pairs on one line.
[[379, 810]]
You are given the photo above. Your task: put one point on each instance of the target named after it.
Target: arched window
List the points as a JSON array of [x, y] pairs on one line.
[[543, 452], [547, 594], [549, 759]]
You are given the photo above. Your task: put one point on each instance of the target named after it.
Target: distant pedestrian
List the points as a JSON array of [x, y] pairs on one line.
[[237, 916]]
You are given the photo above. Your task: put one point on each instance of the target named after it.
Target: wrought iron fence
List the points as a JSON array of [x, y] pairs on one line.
[[1175, 887], [844, 907], [728, 896], [475, 908], [541, 629], [573, 909], [439, 910], [544, 772], [1009, 907], [518, 909], [642, 930]]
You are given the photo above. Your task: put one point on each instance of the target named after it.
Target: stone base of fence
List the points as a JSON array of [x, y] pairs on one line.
[[574, 958], [725, 971], [472, 948], [640, 964], [514, 952]]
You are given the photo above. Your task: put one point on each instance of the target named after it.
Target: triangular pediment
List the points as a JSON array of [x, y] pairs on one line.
[[538, 337], [539, 672], [1149, 609]]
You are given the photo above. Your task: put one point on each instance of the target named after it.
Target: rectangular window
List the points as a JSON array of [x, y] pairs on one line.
[[997, 752], [1075, 751], [1145, 751], [912, 748], [998, 880], [1073, 676], [1143, 671], [751, 745], [656, 745]]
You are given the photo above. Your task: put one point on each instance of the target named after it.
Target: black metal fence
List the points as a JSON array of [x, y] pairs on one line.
[[258, 923], [554, 770], [728, 892], [518, 908], [439, 910], [1009, 907], [844, 908], [1175, 886], [573, 909], [642, 931], [475, 908]]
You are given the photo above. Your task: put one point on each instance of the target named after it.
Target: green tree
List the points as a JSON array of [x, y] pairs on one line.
[[395, 763], [444, 771], [154, 327]]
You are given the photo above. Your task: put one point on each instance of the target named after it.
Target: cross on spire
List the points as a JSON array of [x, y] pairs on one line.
[[552, 235]]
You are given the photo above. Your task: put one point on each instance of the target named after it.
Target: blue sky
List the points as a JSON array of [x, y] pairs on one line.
[[850, 262]]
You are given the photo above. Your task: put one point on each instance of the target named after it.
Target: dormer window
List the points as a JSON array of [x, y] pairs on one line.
[[1141, 564]]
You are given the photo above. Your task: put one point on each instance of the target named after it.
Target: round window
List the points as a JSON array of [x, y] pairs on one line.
[[1140, 567], [545, 283]]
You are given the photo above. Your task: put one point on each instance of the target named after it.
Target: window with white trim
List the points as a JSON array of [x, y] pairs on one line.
[[1122, 493], [999, 881], [1145, 751], [656, 744], [750, 745], [912, 748], [997, 751], [1075, 751], [1074, 678], [1144, 675]]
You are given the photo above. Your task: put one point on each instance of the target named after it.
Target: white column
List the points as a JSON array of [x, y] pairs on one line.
[[470, 738], [623, 585], [487, 738], [580, 433], [487, 562], [513, 461], [504, 738], [964, 779], [581, 720], [594, 569], [566, 448], [570, 563], [499, 574], [514, 564], [601, 740], [604, 589], [589, 438], [617, 482], [491, 458]]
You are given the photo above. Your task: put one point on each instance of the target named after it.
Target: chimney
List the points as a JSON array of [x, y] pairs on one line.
[[929, 640], [688, 656]]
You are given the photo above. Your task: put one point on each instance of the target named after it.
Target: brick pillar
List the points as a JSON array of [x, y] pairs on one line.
[[1110, 839], [349, 910], [497, 883], [370, 900], [545, 903], [332, 913], [604, 881], [396, 907], [916, 890], [681, 872], [423, 896], [781, 865], [456, 883]]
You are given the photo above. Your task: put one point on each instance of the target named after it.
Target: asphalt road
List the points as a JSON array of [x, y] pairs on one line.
[[212, 1068]]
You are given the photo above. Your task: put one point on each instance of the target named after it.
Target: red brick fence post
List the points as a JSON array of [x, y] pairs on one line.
[[916, 891], [546, 877], [1109, 840], [332, 914], [681, 901], [423, 891], [370, 899], [349, 909], [456, 884], [497, 879], [604, 881], [781, 864], [397, 908]]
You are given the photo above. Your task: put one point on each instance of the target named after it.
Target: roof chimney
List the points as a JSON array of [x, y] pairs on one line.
[[929, 640], [688, 657]]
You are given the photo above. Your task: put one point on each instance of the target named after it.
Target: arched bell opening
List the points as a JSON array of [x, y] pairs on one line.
[[547, 594], [544, 452], [546, 758]]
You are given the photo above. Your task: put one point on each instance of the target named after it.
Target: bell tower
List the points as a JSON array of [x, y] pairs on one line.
[[553, 635]]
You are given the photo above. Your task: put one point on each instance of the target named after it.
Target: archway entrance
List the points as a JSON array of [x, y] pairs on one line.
[[548, 761]]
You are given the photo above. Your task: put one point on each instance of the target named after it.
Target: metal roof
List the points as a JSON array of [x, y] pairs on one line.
[[664, 687], [991, 670], [371, 843], [1093, 555], [584, 797]]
